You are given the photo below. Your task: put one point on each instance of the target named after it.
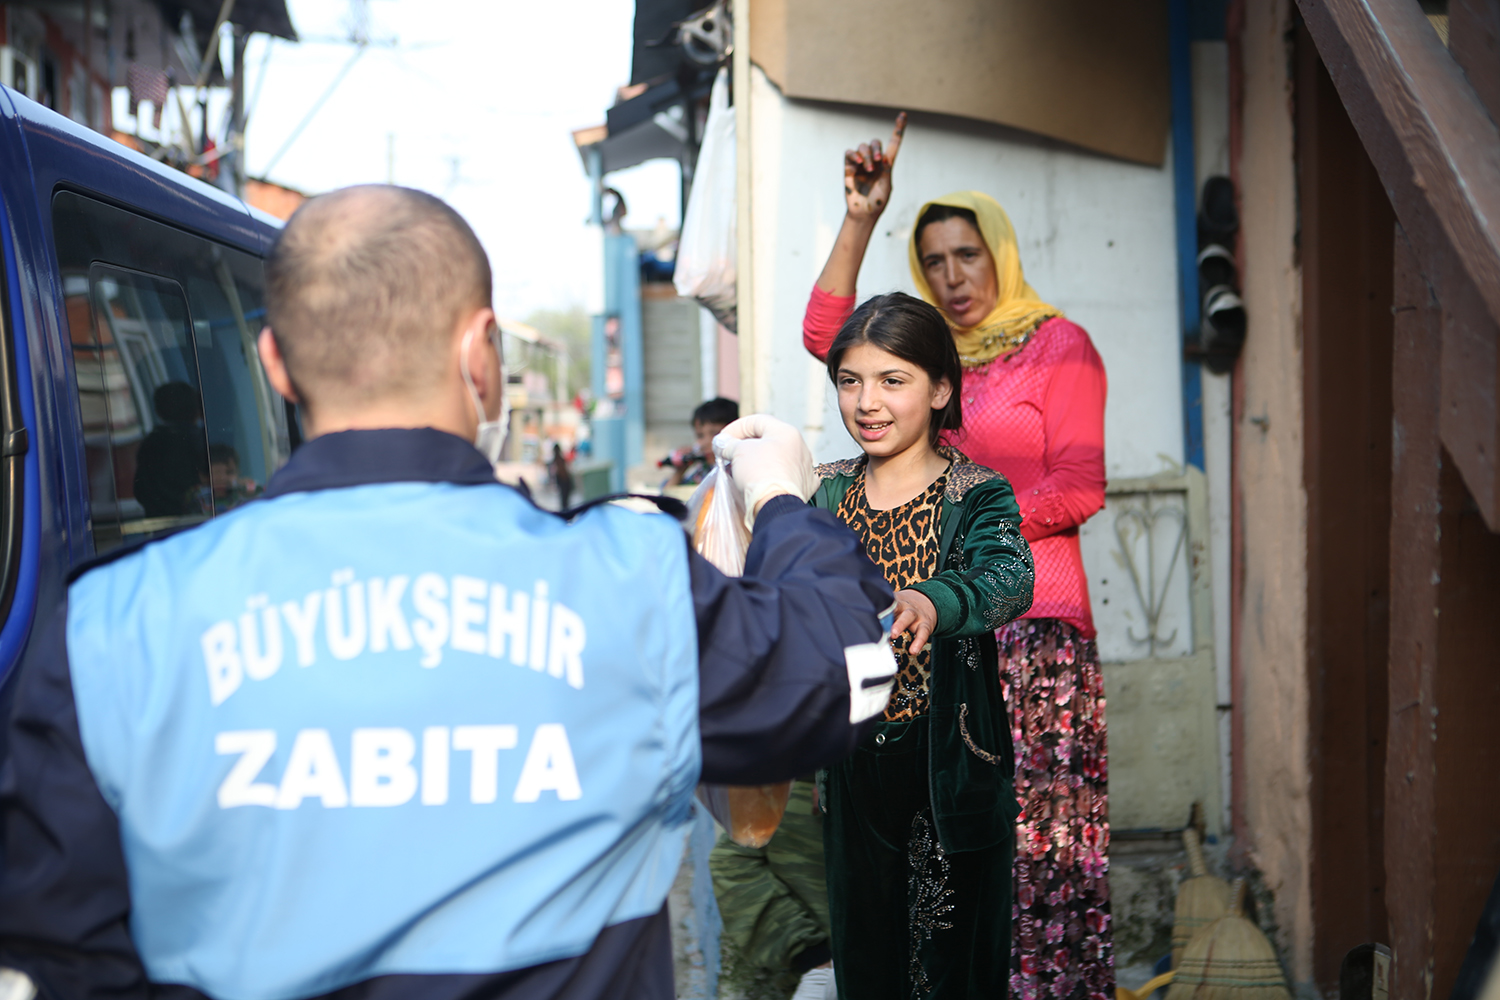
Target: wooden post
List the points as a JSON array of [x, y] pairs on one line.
[[1474, 40], [1438, 154], [1411, 750], [1347, 268]]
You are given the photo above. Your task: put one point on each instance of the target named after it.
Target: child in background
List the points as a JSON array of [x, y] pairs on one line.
[[229, 488], [561, 475], [690, 466], [774, 899], [920, 827]]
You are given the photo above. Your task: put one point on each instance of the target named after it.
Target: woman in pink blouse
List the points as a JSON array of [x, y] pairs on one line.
[[1033, 396]]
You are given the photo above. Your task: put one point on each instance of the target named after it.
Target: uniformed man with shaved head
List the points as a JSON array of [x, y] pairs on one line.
[[391, 730]]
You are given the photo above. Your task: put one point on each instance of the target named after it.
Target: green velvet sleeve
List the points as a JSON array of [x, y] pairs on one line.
[[990, 584]]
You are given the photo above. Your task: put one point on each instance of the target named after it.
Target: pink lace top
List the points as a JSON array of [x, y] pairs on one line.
[[1037, 417]]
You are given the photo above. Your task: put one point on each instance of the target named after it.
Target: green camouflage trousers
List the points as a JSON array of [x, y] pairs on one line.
[[773, 899]]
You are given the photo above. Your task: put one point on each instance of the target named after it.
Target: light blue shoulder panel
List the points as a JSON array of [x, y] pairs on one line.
[[402, 728]]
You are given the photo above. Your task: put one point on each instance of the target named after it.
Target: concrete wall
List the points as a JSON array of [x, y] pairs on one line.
[[1272, 699], [1095, 233]]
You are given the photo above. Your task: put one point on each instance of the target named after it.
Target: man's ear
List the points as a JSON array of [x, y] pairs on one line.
[[474, 338], [275, 365]]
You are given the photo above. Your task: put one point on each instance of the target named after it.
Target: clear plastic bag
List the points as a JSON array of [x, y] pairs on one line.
[[706, 267], [750, 814], [719, 532]]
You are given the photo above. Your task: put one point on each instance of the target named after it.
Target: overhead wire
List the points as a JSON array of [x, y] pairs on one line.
[[260, 81], [313, 111]]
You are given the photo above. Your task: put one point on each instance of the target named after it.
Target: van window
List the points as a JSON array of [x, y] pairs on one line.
[[140, 400], [178, 420], [242, 413]]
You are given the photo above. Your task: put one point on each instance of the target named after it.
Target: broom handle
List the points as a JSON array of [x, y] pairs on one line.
[[1194, 852], [1237, 898]]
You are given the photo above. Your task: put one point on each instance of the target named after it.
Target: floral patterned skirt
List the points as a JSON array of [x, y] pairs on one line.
[[1061, 943]]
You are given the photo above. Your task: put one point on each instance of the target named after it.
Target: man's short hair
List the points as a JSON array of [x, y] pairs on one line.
[[718, 410], [364, 289]]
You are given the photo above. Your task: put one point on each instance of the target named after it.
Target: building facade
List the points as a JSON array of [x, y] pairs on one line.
[[1367, 560], [1329, 644]]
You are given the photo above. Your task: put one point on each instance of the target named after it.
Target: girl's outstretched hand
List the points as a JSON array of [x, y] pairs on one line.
[[914, 613], [867, 174]]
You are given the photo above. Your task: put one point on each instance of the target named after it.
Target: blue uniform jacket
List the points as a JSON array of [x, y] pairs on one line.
[[393, 731]]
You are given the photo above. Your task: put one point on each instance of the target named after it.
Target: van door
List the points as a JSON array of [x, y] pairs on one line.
[[179, 421]]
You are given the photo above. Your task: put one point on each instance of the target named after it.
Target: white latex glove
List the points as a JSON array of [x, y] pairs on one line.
[[765, 457]]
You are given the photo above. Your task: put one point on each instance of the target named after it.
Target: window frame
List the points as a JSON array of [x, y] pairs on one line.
[[126, 346], [14, 444], [284, 434]]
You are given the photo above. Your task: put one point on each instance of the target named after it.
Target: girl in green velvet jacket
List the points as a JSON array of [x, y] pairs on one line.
[[920, 824]]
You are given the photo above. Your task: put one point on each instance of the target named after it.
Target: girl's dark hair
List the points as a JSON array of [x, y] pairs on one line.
[[913, 331], [942, 213]]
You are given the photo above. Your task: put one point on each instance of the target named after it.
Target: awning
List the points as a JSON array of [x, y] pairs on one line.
[[650, 140], [655, 51], [268, 16], [648, 125]]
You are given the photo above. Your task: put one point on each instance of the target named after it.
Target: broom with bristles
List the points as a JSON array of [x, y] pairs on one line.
[[1201, 899], [1230, 959]]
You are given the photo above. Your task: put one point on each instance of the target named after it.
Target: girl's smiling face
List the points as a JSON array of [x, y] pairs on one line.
[[887, 403]]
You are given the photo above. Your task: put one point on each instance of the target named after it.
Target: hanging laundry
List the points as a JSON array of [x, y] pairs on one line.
[[147, 84]]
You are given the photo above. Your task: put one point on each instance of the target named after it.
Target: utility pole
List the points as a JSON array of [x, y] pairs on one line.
[[236, 137], [89, 112], [207, 58]]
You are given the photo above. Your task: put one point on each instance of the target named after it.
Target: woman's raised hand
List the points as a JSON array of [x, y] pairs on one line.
[[867, 174], [867, 191]]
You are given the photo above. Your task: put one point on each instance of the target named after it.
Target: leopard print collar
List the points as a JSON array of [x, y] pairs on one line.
[[964, 475]]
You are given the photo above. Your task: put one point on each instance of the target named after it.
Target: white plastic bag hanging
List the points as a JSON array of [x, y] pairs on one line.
[[749, 814], [707, 249]]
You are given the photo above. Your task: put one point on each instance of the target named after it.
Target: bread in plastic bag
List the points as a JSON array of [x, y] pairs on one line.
[[719, 532], [749, 814]]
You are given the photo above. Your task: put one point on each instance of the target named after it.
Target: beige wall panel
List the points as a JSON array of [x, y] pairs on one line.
[[768, 38], [1089, 72], [1273, 634]]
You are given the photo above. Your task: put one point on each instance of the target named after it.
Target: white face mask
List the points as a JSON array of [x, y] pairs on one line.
[[490, 438]]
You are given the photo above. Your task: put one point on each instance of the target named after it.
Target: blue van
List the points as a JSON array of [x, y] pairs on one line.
[[132, 401]]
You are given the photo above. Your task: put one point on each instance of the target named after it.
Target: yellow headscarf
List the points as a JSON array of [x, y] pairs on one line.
[[1017, 310]]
